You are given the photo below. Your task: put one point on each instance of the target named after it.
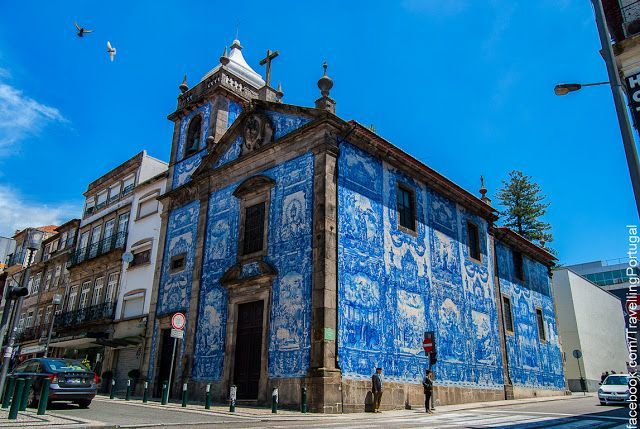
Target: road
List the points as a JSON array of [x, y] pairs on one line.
[[571, 413]]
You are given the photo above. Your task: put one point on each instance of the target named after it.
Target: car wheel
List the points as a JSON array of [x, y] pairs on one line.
[[603, 403], [84, 403], [32, 401]]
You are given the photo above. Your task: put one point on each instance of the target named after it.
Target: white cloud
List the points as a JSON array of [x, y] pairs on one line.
[[21, 116], [16, 212], [436, 7]]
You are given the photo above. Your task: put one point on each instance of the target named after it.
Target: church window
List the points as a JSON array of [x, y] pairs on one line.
[[473, 241], [192, 143], [177, 263], [406, 208], [540, 319], [253, 229], [518, 265], [508, 314]]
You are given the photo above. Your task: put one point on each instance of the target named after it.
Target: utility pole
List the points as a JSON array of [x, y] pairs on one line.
[[628, 140], [16, 294]]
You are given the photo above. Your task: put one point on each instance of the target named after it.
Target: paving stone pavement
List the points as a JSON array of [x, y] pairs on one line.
[[30, 419]]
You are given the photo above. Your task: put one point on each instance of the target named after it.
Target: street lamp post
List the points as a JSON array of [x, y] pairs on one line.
[[57, 299], [628, 141]]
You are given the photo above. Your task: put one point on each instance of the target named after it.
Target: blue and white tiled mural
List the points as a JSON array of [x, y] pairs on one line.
[[184, 168], [282, 125], [175, 287], [289, 252], [394, 285], [532, 363]]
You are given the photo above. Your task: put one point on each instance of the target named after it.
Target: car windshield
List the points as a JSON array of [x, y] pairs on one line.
[[617, 380], [65, 365]]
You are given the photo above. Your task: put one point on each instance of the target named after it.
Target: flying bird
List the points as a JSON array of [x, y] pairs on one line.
[[111, 51], [82, 30]]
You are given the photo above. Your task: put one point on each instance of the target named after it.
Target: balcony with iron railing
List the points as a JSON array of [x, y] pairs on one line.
[[32, 333], [85, 315], [102, 247]]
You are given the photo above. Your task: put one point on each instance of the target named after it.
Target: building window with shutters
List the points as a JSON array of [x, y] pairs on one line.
[[148, 205], [133, 304], [255, 196], [518, 265], [112, 285], [253, 240], [97, 291]]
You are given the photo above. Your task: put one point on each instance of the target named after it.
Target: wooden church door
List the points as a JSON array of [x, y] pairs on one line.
[[248, 349]]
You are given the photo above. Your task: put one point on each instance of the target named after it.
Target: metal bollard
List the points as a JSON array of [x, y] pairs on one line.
[[8, 391], [128, 394], [15, 402], [304, 400], [185, 394], [25, 394], [207, 399], [145, 394], [232, 398], [112, 392], [44, 397], [274, 400], [165, 393]]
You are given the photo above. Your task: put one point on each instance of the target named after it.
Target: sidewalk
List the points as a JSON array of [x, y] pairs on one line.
[[265, 414], [30, 419]]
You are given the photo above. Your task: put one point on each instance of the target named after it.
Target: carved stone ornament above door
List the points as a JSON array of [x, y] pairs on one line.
[[257, 131]]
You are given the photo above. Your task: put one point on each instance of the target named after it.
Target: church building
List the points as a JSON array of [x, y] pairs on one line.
[[306, 250]]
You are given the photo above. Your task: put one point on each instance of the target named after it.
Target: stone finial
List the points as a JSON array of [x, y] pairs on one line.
[[183, 86], [279, 93], [325, 83], [483, 192], [542, 243], [224, 59]]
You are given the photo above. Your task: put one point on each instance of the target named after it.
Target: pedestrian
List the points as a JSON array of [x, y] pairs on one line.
[[376, 389], [602, 377], [613, 372], [427, 384], [606, 374]]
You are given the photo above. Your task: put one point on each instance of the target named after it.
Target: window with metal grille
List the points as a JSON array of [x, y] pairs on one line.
[[508, 315], [540, 319], [518, 265], [405, 206], [473, 241], [253, 229]]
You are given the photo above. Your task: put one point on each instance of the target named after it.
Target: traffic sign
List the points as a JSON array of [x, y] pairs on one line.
[[429, 342], [178, 321], [577, 354], [427, 345], [177, 333]]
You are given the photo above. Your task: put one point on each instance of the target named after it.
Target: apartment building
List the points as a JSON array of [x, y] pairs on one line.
[[85, 325]]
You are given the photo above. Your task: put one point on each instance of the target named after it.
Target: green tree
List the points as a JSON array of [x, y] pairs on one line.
[[524, 206]]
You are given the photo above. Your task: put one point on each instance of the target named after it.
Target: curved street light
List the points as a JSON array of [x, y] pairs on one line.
[[565, 88]]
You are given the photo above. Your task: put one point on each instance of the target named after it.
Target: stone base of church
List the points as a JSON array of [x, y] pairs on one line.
[[358, 397], [521, 392]]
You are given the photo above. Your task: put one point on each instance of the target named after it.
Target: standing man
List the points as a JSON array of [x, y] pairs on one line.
[[376, 389], [427, 384]]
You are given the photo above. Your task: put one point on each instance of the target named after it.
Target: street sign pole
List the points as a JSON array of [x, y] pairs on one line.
[[173, 358]]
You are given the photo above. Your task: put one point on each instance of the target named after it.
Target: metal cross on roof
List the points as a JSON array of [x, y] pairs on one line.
[[267, 61]]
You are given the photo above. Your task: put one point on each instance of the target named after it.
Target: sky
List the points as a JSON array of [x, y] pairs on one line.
[[465, 86]]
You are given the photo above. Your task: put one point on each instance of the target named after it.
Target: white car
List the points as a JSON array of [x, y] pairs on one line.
[[614, 389]]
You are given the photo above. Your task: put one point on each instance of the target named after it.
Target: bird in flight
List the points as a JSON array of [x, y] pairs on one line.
[[81, 30], [111, 51]]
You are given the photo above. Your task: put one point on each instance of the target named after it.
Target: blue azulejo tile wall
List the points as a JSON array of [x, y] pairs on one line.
[[396, 284], [532, 361], [175, 285], [289, 252], [184, 168]]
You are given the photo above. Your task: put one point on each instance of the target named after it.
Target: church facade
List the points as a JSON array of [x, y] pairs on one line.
[[306, 251]]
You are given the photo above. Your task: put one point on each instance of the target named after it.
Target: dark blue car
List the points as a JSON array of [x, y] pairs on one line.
[[70, 380]]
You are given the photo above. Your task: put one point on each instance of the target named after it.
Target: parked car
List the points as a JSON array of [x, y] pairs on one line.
[[614, 389], [70, 380]]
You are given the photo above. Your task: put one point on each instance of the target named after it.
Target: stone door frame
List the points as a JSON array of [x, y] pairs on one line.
[[241, 294]]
